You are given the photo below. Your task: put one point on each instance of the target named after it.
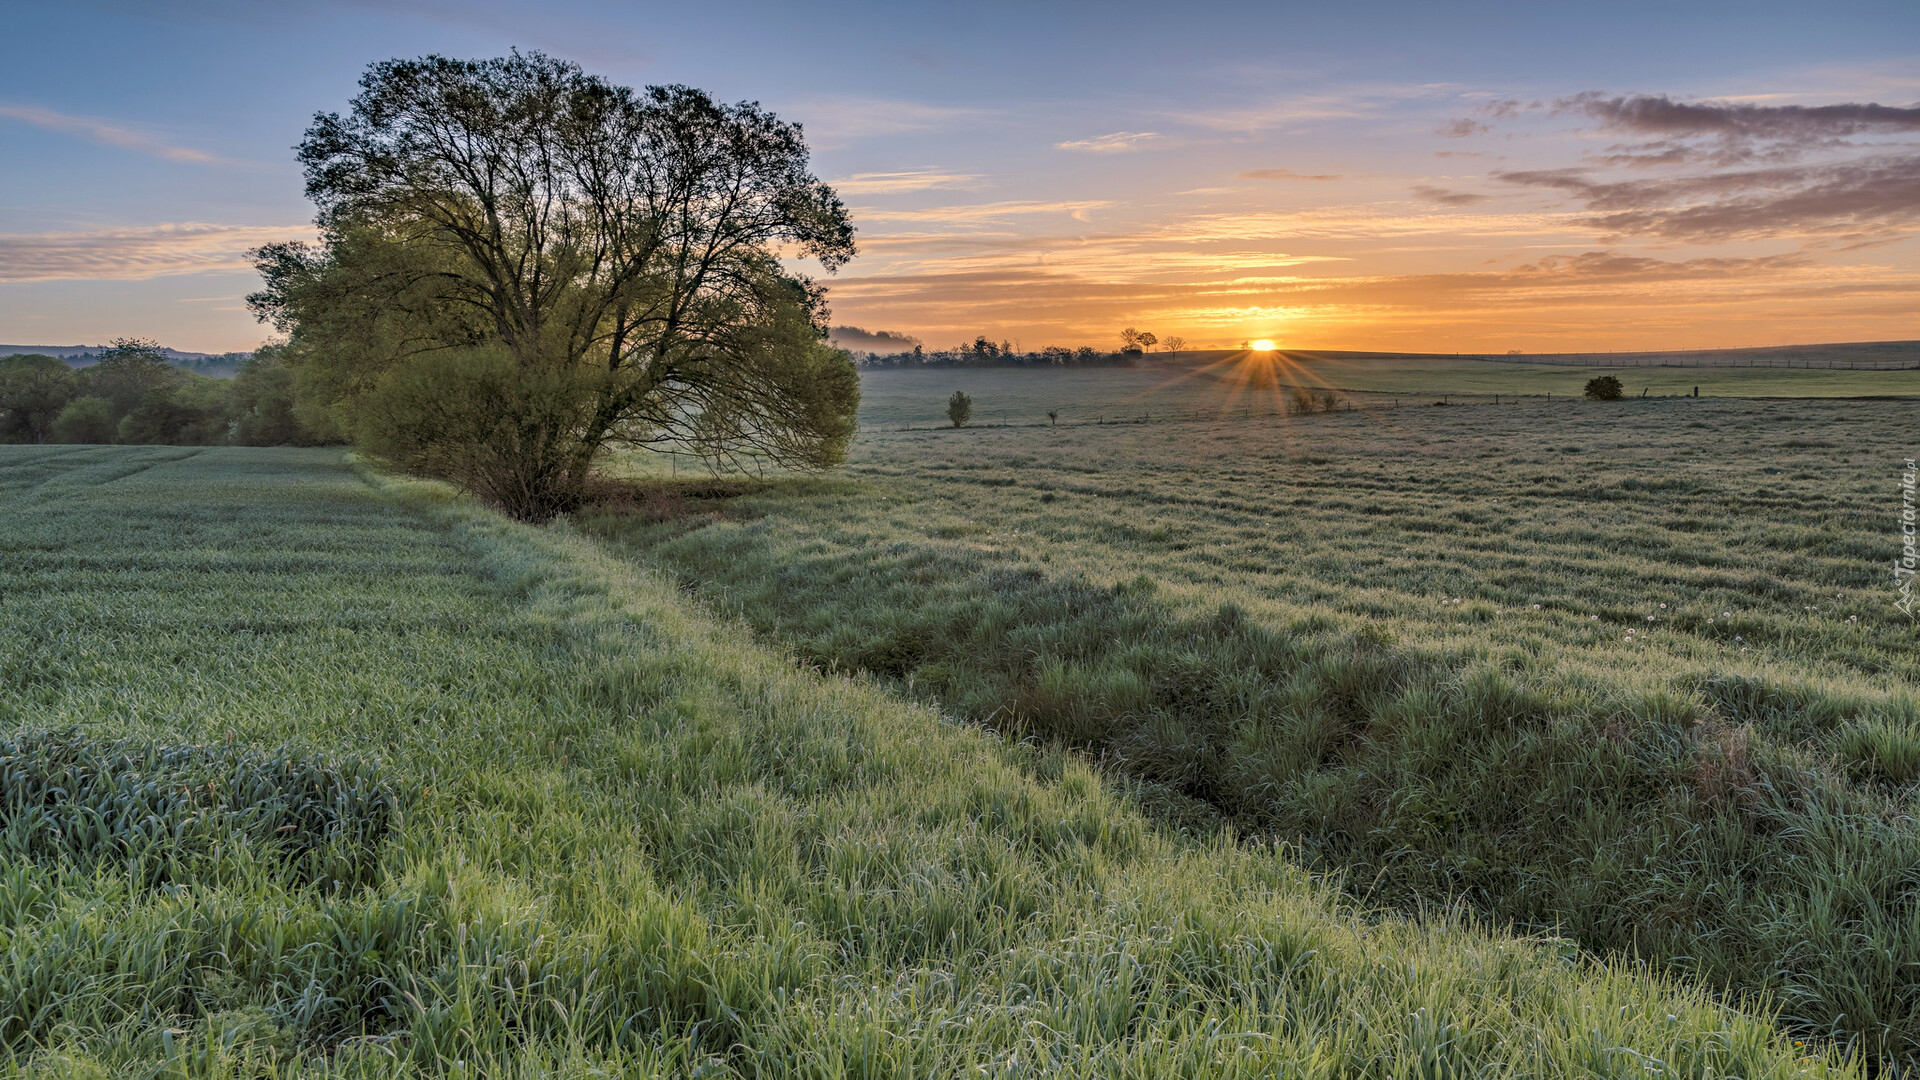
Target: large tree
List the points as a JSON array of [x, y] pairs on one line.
[[130, 371], [524, 265]]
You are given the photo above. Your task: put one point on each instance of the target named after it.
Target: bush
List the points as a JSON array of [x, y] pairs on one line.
[[86, 419], [33, 390], [476, 419], [1605, 388], [960, 408]]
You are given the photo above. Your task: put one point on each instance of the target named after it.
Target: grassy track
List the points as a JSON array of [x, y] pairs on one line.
[[540, 818], [1631, 671]]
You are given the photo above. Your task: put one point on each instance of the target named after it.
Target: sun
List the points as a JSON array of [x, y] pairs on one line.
[[1263, 345]]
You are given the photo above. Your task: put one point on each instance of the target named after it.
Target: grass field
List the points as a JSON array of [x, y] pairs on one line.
[[1630, 671], [1244, 385], [311, 773]]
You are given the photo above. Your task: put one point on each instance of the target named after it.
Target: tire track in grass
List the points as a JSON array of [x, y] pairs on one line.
[[67, 484]]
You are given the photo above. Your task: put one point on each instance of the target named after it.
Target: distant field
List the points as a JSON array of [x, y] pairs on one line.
[[1627, 669], [1221, 384], [308, 773]]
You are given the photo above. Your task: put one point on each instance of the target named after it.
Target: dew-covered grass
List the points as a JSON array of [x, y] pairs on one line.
[[538, 815], [1627, 672], [1233, 385]]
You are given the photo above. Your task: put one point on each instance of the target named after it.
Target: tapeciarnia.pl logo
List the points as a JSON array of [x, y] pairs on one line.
[[1909, 561]]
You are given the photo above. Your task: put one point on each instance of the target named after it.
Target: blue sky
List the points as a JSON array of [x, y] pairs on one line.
[[1358, 175]]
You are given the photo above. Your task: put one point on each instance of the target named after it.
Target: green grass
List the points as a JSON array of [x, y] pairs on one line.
[[1162, 389], [550, 820], [1630, 672]]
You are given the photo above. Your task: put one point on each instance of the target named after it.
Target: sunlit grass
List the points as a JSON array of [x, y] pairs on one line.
[[1627, 670], [628, 843]]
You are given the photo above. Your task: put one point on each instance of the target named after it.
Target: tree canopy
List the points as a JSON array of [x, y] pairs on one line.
[[524, 265], [33, 390]]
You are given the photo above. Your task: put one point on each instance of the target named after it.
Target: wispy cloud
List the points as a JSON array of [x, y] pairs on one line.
[[139, 252], [1719, 171], [1855, 200], [1657, 114], [1731, 133], [847, 119], [894, 183], [108, 134], [984, 212], [1119, 142], [1265, 116], [1448, 198], [1285, 174]]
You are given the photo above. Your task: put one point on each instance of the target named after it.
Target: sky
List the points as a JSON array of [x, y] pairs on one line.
[[1396, 176]]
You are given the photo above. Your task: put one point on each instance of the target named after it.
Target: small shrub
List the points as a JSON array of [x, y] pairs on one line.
[[1604, 388], [960, 408]]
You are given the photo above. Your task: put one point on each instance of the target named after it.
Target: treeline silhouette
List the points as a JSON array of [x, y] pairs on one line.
[[984, 352]]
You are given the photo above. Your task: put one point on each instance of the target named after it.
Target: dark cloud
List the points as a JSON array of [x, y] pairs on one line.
[[1647, 155], [1285, 174], [1448, 198], [1506, 109], [1608, 264], [1731, 134], [1659, 115], [1856, 200]]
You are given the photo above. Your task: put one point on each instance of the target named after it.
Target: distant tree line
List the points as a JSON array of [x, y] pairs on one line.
[[983, 351], [131, 393], [220, 366]]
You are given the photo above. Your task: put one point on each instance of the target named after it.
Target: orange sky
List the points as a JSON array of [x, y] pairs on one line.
[[1522, 228], [1398, 176]]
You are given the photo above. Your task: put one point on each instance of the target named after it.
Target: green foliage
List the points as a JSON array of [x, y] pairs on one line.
[[131, 372], [959, 408], [261, 403], [508, 434], [1668, 712], [1604, 388], [134, 396], [604, 270], [86, 419], [33, 390], [638, 845], [191, 412]]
